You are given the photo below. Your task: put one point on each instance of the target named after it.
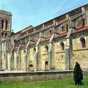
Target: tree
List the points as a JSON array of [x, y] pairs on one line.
[[78, 75]]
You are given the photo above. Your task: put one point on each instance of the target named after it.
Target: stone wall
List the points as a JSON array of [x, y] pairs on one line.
[[59, 57], [33, 76], [81, 57], [80, 53], [31, 60], [43, 57]]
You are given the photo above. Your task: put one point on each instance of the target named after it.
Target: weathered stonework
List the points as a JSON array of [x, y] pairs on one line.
[[54, 45], [33, 76], [59, 57]]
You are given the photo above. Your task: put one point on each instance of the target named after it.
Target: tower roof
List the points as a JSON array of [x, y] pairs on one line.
[[5, 12]]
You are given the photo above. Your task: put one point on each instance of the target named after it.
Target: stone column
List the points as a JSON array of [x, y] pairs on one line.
[[3, 55], [51, 59], [36, 58], [27, 51], [4, 24], [0, 55], [27, 56], [49, 55], [18, 57], [25, 62], [86, 18], [9, 26], [12, 60], [68, 52], [28, 59], [6, 61], [9, 61], [54, 22], [17, 62]]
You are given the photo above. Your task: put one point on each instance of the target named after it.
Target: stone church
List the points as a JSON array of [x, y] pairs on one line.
[[55, 45]]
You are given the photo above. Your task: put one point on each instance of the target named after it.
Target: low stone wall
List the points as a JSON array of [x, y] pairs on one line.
[[33, 76]]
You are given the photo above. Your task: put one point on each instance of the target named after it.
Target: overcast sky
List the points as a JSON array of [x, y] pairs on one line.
[[35, 12]]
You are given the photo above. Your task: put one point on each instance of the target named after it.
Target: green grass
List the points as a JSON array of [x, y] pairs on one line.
[[61, 83]]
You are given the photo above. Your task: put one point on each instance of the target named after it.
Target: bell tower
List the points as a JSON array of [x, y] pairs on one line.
[[5, 34], [5, 24]]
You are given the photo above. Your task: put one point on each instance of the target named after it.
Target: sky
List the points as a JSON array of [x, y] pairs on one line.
[[35, 12]]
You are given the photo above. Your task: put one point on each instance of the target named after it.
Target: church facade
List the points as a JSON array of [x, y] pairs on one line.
[[55, 45]]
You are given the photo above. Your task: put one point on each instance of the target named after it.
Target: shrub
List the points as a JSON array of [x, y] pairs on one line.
[[78, 75]]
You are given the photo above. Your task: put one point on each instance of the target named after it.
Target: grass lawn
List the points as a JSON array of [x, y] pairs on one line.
[[61, 83]]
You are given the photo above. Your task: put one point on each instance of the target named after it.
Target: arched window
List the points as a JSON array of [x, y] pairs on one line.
[[2, 23], [2, 33], [5, 34], [31, 65], [66, 27], [46, 63], [46, 47], [63, 28], [83, 22], [62, 45], [50, 32], [83, 42], [34, 49]]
